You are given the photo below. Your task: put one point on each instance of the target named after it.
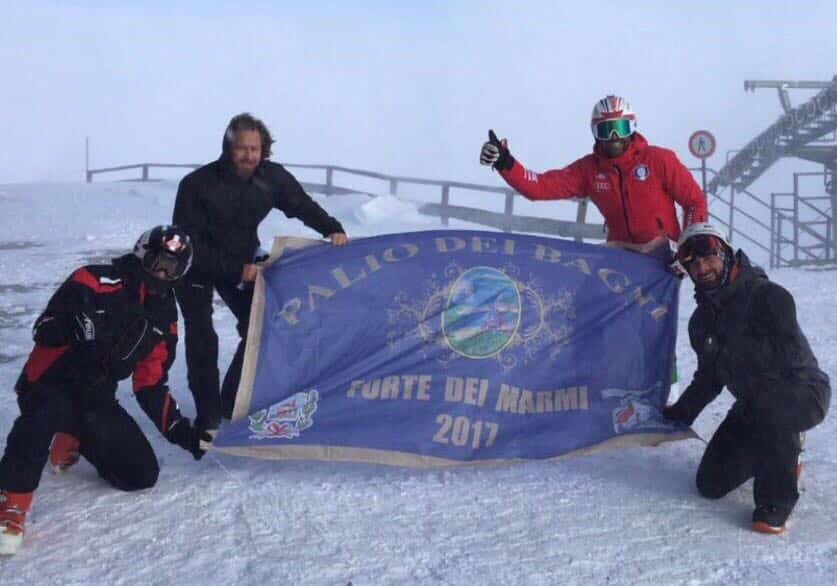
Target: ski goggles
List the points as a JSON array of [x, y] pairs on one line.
[[173, 266], [621, 127], [700, 246]]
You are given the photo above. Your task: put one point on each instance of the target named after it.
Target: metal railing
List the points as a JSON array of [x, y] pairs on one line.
[[758, 230], [802, 224], [144, 167], [507, 221], [767, 235]]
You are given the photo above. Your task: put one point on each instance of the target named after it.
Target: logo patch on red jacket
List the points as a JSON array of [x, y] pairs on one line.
[[601, 183], [642, 172]]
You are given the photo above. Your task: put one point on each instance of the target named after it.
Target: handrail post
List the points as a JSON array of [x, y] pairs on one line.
[[508, 213], [831, 189], [445, 204], [772, 229], [145, 172], [393, 186], [731, 211], [329, 180], [796, 216], [779, 221], [581, 217]]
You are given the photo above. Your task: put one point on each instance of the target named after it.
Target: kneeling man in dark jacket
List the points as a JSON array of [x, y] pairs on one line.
[[104, 324], [747, 338]]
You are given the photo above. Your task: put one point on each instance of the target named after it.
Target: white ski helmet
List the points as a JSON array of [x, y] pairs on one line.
[[702, 228], [612, 114], [702, 240]]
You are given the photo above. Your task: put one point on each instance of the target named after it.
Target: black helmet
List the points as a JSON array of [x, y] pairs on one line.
[[166, 249]]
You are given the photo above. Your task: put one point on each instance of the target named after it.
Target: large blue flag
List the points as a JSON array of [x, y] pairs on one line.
[[449, 347]]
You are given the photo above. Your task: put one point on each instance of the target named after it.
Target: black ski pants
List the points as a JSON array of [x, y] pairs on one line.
[[743, 448], [212, 401], [109, 439]]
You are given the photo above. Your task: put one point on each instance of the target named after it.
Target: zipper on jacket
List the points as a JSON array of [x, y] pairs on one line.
[[139, 339], [624, 202]]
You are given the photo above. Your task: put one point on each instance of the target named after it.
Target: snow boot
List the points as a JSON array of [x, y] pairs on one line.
[[63, 453], [770, 519], [13, 509]]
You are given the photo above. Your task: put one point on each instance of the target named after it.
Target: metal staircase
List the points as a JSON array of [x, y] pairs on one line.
[[798, 127], [802, 228]]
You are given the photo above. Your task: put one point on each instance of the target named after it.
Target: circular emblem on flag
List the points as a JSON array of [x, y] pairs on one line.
[[482, 314], [641, 172]]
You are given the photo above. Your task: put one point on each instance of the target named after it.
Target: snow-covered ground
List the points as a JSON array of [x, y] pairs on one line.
[[626, 517]]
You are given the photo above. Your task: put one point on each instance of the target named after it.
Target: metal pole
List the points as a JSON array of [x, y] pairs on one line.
[[445, 204], [580, 217], [508, 212], [796, 216], [831, 189], [773, 244], [731, 210], [87, 159], [703, 175], [779, 222]]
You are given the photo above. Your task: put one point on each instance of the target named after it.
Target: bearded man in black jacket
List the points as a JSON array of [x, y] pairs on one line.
[[221, 206], [747, 338]]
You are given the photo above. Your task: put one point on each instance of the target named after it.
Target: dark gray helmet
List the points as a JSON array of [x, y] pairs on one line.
[[165, 249]]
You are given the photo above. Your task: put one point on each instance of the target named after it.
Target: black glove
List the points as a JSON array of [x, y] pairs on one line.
[[496, 154], [677, 412], [189, 438]]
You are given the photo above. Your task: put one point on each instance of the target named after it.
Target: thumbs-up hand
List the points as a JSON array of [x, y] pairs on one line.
[[496, 153]]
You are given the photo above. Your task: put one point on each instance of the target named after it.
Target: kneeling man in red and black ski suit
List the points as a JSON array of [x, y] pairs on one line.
[[104, 324], [747, 338]]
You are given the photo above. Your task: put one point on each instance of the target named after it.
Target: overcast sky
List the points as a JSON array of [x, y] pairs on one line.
[[398, 87]]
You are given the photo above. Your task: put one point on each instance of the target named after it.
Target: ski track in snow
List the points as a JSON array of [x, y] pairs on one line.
[[625, 517]]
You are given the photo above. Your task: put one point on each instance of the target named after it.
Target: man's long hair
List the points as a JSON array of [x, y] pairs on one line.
[[246, 121]]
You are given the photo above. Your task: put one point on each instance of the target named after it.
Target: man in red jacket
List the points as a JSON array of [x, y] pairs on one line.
[[634, 185]]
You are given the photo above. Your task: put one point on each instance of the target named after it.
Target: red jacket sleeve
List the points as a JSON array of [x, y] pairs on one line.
[[557, 184], [680, 184]]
